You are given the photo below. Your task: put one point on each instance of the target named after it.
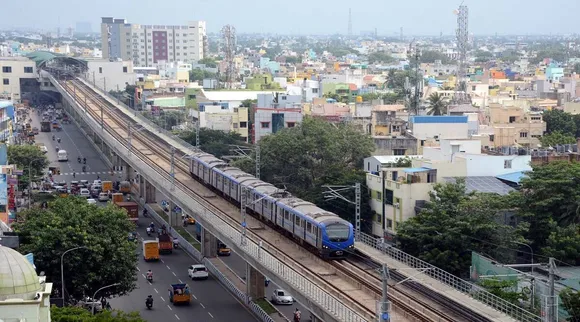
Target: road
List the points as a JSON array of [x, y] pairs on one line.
[[211, 300], [238, 266]]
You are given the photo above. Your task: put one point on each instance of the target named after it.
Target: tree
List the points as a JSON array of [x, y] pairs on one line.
[[571, 303], [559, 121], [404, 162], [215, 142], [556, 138], [380, 57], [577, 68], [550, 193], [248, 103], [72, 222], [505, 289], [437, 105], [208, 62], [77, 314], [454, 224], [28, 158], [564, 244], [315, 153], [370, 96], [430, 56], [293, 59], [198, 74]]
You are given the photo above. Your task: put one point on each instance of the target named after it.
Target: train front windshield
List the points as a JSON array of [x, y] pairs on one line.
[[337, 233]]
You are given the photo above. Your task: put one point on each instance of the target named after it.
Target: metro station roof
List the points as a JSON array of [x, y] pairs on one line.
[[42, 57]]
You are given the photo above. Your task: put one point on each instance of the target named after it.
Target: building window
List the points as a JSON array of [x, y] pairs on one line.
[[6, 81], [236, 110], [7, 69], [265, 125], [192, 97], [507, 164], [379, 196], [512, 119], [523, 134], [398, 151], [291, 124], [202, 108], [315, 91], [491, 138], [235, 125], [124, 69], [389, 196], [243, 125], [28, 70], [100, 70]]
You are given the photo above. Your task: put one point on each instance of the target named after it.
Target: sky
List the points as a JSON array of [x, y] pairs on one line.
[[417, 17]]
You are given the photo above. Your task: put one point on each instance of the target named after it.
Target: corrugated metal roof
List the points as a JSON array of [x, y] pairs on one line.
[[483, 184], [514, 177], [413, 170], [439, 119]]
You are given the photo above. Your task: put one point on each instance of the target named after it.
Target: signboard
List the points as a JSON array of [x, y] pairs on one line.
[[11, 197], [3, 154]]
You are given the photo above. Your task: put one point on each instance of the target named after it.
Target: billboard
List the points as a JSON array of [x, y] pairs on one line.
[[3, 190], [3, 154]]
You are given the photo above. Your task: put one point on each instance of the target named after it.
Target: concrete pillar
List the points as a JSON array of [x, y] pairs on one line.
[[149, 192], [209, 244], [255, 283], [142, 190], [128, 175]]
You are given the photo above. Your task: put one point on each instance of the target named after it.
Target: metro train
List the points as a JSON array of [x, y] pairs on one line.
[[322, 232]]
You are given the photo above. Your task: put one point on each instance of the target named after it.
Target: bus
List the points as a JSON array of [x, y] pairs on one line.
[[62, 155]]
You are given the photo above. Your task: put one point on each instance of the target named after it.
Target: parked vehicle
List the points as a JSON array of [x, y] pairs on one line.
[[85, 193], [103, 196], [197, 272], [92, 201]]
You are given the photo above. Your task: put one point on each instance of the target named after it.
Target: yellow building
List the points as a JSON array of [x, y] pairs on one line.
[[513, 126]]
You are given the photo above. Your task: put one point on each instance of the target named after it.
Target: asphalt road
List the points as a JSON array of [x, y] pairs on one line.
[[210, 301], [238, 266]]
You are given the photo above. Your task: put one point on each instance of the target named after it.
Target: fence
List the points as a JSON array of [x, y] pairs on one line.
[[223, 229], [453, 281]]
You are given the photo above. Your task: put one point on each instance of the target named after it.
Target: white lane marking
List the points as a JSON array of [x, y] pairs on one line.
[[180, 281], [202, 305], [174, 274], [155, 290], [170, 309], [195, 297], [177, 317], [210, 315], [162, 261], [143, 275], [138, 269], [168, 267], [162, 298]]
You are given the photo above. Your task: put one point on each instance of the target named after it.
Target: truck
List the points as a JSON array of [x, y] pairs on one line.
[[165, 244], [132, 209], [125, 187], [150, 250], [117, 197], [179, 294], [107, 186], [45, 126]]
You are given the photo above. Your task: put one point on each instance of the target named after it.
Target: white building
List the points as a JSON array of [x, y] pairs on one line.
[[146, 45], [439, 127], [24, 296], [111, 75], [12, 71]]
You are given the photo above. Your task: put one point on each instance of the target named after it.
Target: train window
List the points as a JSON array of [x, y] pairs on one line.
[[297, 220], [286, 215], [309, 227]]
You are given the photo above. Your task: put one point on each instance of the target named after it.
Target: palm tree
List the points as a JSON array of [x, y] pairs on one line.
[[437, 106]]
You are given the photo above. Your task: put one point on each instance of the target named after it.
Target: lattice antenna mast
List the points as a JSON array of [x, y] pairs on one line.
[[462, 33], [229, 48], [349, 22]]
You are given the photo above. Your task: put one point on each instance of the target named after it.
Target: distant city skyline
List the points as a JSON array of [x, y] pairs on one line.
[[302, 17]]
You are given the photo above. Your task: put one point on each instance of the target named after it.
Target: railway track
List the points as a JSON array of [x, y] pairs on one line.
[[182, 165], [404, 301]]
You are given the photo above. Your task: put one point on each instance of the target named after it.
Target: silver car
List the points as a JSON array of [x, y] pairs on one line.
[[282, 297]]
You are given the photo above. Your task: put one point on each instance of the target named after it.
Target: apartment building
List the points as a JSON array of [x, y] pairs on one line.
[[512, 125], [15, 72], [147, 45]]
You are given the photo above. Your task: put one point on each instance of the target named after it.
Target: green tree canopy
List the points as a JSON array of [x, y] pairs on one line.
[[504, 289], [167, 120], [215, 142], [571, 303], [380, 57], [550, 193], [293, 59], [437, 104], [208, 62], [198, 74], [555, 138], [77, 314], [454, 224], [248, 103], [560, 121], [564, 244], [72, 222], [430, 56], [313, 154], [28, 158]]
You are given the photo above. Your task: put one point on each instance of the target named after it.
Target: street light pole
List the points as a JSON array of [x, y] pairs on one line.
[[62, 269], [102, 288]]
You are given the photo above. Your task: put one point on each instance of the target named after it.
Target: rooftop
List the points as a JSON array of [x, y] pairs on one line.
[[485, 184], [18, 279], [439, 119]]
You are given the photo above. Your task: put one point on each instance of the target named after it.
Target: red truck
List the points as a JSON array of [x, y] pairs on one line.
[[165, 243], [132, 209]]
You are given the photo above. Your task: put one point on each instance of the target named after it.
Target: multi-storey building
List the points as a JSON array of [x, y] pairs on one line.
[[15, 73], [146, 45]]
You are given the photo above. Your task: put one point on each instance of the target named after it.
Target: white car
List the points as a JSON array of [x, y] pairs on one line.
[[103, 196], [85, 193], [92, 201], [197, 272], [282, 297], [44, 149]]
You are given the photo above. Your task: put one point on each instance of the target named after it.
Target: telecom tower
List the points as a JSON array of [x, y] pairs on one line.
[[462, 33], [349, 22], [229, 47]]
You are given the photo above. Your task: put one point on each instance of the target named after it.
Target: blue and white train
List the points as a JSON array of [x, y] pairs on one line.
[[317, 229]]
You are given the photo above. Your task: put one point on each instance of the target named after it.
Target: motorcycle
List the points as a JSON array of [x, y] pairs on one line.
[[149, 304], [84, 160], [175, 245], [79, 159], [148, 231], [150, 278]]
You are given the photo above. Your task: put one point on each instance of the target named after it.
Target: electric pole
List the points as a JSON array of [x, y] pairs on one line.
[[243, 240], [333, 192], [385, 305], [552, 299], [172, 171], [197, 126], [258, 161]]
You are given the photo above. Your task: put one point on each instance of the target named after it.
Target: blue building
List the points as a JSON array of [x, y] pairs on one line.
[[6, 120]]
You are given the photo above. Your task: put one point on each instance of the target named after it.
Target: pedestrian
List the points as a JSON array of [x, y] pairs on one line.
[[74, 174]]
